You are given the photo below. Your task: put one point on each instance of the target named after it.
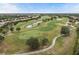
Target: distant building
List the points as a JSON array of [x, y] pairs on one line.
[[29, 26]]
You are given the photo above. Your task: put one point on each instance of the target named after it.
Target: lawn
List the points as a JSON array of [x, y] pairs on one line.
[[16, 41], [59, 42], [63, 46], [48, 27]]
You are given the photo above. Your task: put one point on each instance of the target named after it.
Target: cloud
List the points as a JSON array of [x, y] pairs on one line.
[[8, 8], [28, 8]]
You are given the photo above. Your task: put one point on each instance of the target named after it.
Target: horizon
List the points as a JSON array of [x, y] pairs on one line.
[[39, 8]]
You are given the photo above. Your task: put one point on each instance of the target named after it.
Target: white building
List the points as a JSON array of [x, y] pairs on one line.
[[29, 26]]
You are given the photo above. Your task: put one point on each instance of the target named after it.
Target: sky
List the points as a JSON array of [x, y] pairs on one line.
[[39, 7]]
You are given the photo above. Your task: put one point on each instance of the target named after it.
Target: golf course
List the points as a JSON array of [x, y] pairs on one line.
[[46, 30]]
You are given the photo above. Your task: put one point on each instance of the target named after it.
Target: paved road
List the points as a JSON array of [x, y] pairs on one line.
[[43, 50]]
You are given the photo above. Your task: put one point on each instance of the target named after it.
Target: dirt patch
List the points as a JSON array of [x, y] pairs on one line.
[[4, 47]]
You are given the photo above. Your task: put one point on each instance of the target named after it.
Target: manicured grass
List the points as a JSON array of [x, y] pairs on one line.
[[23, 24], [49, 26], [59, 42], [17, 40], [28, 34], [65, 45], [61, 21], [15, 44]]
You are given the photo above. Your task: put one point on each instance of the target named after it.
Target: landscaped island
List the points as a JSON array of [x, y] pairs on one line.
[[39, 34]]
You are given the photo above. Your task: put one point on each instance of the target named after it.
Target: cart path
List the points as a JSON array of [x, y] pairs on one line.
[[43, 50]]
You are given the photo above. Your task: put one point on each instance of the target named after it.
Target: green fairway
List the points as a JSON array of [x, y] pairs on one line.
[[59, 42], [48, 27], [16, 40]]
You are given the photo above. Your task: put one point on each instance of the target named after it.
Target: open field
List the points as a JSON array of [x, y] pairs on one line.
[[44, 26]]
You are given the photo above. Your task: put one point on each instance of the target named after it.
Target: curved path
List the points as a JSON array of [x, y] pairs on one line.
[[51, 46], [43, 50]]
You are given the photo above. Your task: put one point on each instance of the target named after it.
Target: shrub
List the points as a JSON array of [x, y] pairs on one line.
[[1, 39], [44, 41], [33, 43], [65, 31], [18, 29], [12, 28]]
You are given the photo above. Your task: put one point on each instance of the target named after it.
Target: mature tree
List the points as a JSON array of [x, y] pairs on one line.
[[1, 39], [18, 29], [65, 30], [77, 29], [70, 20], [33, 43], [54, 17], [16, 23], [51, 18], [4, 32], [44, 20], [38, 24], [1, 30], [11, 28], [44, 41]]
